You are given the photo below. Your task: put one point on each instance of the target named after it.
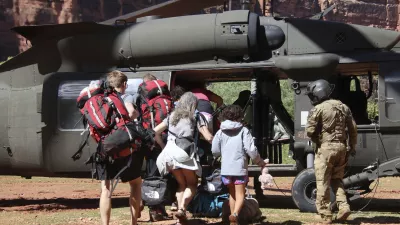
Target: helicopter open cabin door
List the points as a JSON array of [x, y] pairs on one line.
[[66, 138], [389, 108], [389, 95]]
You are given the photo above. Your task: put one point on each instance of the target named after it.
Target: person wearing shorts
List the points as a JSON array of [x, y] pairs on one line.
[[234, 142], [236, 180], [107, 171]]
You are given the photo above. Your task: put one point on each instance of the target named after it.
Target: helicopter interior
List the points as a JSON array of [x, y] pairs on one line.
[[355, 85]]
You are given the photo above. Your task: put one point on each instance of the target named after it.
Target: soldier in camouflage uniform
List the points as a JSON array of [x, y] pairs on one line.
[[326, 126]]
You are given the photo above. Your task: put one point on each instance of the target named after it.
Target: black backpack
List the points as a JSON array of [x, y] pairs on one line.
[[212, 182]]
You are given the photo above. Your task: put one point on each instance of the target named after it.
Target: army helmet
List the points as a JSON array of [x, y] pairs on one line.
[[319, 91]]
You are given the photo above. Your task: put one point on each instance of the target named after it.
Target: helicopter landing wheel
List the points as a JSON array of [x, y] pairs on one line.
[[304, 191]]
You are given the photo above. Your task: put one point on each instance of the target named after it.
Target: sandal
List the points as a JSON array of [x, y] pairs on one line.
[[181, 216], [233, 219]]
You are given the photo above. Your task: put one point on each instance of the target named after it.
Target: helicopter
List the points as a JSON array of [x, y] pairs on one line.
[[39, 87]]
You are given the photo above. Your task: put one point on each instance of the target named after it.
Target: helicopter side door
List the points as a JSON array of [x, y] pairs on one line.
[[389, 108]]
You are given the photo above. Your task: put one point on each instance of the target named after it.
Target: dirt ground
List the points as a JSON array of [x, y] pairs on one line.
[[75, 201]]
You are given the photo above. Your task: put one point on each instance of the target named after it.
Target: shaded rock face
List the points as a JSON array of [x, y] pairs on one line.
[[378, 13]]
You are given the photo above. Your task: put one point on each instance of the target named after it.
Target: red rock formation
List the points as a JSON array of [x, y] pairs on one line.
[[379, 13]]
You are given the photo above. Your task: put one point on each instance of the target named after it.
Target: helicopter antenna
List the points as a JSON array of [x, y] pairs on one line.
[[320, 16]]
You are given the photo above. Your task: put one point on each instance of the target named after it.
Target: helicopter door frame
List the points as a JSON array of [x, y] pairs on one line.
[[389, 95]]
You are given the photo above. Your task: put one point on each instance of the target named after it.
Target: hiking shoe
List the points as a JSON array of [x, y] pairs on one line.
[[343, 214], [174, 206], [157, 215], [233, 219], [182, 217]]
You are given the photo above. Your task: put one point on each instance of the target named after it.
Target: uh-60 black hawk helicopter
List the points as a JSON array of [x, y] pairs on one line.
[[39, 87]]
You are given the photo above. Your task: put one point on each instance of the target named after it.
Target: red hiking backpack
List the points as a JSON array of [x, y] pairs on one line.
[[94, 88], [108, 122], [156, 102]]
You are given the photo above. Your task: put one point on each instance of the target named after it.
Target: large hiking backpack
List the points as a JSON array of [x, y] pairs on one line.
[[155, 102], [108, 121]]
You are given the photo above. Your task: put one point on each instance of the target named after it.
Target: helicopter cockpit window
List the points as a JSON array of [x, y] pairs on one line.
[[69, 117]]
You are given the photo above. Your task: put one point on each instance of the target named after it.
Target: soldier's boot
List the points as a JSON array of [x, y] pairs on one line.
[[343, 214]]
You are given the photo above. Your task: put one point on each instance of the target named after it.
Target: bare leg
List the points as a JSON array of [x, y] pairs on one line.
[[181, 186], [240, 190], [232, 197], [191, 185], [105, 202], [135, 199]]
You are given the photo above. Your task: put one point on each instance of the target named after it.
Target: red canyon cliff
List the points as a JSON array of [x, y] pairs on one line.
[[379, 13]]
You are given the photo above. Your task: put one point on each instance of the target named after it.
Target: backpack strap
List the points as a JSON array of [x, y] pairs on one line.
[[158, 85], [128, 164], [120, 115], [196, 132], [153, 171], [78, 154], [116, 178], [151, 110]]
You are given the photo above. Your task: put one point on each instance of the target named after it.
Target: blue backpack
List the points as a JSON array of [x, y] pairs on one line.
[[206, 205]]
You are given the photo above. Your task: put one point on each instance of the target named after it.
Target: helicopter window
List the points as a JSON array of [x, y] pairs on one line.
[[359, 93], [69, 117]]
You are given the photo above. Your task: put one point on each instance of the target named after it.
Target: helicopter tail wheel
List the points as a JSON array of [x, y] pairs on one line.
[[304, 191]]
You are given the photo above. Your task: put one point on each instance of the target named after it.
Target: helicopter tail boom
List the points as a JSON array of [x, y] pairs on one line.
[[36, 34]]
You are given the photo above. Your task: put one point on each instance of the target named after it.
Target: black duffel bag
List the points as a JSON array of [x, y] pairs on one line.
[[154, 190]]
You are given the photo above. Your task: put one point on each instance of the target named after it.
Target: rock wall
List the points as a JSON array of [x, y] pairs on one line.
[[379, 13], [34, 12]]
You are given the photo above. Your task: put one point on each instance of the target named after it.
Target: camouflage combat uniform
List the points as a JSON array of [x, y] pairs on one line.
[[326, 126]]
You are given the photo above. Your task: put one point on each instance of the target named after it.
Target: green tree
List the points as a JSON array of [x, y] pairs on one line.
[[287, 95], [229, 91]]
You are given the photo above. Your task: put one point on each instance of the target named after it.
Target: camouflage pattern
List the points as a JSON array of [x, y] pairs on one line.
[[326, 126]]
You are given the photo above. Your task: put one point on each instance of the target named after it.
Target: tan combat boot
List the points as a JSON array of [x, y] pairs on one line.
[[343, 214]]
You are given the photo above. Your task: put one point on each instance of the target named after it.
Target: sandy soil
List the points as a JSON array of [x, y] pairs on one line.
[[48, 195]]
